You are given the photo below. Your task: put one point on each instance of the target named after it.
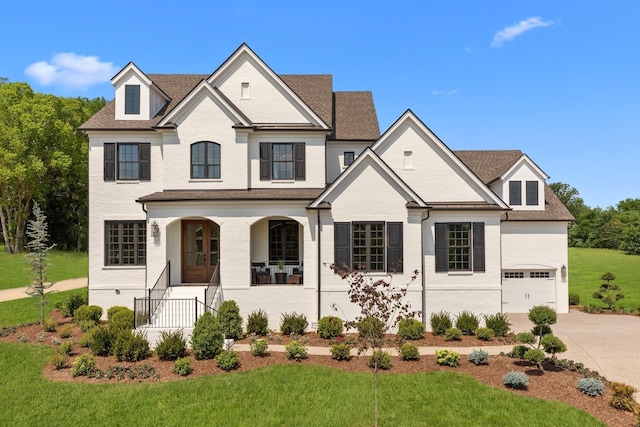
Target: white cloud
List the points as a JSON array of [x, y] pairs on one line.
[[444, 92], [513, 31], [71, 71]]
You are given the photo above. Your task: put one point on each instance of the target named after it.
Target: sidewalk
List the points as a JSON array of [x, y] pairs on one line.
[[63, 285]]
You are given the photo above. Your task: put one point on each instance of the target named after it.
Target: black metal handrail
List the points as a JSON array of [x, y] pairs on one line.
[[213, 288], [176, 313], [159, 289]]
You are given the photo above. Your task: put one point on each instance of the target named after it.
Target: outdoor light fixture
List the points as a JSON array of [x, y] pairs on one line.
[[155, 229], [563, 271]]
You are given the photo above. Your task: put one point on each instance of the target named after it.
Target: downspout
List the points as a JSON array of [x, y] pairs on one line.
[[424, 282], [319, 263]]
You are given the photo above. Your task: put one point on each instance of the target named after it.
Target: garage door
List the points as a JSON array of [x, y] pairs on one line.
[[523, 289]]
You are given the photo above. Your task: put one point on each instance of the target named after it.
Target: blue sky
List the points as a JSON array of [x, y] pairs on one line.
[[559, 80]]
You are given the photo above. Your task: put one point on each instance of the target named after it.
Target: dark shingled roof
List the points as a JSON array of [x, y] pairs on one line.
[[304, 194], [316, 91], [356, 117]]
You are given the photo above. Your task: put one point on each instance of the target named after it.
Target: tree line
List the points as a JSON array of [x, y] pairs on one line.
[[615, 227], [43, 158]]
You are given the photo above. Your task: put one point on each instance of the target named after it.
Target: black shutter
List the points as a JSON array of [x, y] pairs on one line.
[[342, 245], [145, 162], [532, 193], [478, 246], [299, 158], [442, 263], [394, 247], [110, 161], [265, 161]]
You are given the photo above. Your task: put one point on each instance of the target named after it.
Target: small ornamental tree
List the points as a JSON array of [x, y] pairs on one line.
[[542, 317], [609, 293], [376, 298], [37, 257]]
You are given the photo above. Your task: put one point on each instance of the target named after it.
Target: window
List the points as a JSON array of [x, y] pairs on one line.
[[125, 243], [244, 91], [127, 161], [283, 242], [371, 246], [205, 160], [460, 246], [282, 161], [539, 275], [515, 192], [132, 99], [514, 274], [349, 157], [532, 193]]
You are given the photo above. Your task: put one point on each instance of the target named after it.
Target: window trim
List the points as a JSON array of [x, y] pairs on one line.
[[139, 243], [515, 193], [206, 165], [132, 99]]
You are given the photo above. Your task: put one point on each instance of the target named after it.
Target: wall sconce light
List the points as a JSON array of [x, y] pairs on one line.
[[563, 271], [155, 229]]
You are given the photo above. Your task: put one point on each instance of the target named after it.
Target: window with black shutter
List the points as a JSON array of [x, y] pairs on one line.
[[460, 246], [127, 161], [282, 161], [370, 246]]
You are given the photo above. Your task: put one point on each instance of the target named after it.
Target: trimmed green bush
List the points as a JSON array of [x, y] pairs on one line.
[[293, 323], [83, 365], [66, 331], [542, 315], [172, 345], [552, 345], [69, 305], [409, 352], [622, 396], [121, 320], [590, 386], [259, 348], [59, 360], [467, 322], [410, 329], [440, 322], [182, 366], [446, 357], [379, 359], [485, 334], [517, 380], [100, 341], [371, 328], [130, 346], [341, 351], [295, 350], [206, 339], [574, 298], [87, 313], [526, 338], [330, 327], [534, 355], [113, 310], [86, 325], [541, 330], [453, 334], [519, 350], [65, 347], [229, 320], [49, 326], [258, 323], [228, 360], [479, 357], [498, 322]]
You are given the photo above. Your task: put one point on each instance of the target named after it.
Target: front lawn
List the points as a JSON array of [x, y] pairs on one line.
[[27, 310], [292, 394]]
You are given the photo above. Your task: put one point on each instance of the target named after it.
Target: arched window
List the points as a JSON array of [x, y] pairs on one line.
[[205, 160]]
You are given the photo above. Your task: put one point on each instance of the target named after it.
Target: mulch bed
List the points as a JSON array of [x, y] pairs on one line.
[[553, 384]]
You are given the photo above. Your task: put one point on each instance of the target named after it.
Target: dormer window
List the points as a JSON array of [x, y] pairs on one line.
[[515, 193], [132, 99], [532, 193]]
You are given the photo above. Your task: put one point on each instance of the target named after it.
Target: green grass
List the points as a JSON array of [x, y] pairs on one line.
[[587, 265], [27, 310], [279, 395], [14, 269]]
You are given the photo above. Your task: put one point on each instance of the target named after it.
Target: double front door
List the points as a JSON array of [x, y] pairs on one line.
[[200, 250]]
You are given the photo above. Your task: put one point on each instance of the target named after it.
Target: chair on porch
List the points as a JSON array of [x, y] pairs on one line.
[[260, 273]]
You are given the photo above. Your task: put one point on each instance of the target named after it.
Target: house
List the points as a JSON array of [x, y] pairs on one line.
[[247, 185]]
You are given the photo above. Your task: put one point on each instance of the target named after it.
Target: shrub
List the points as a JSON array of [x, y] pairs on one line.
[[467, 322], [259, 348], [293, 323], [130, 346], [88, 313], [518, 351], [410, 329], [172, 345], [65, 347], [498, 322], [608, 292], [479, 357], [552, 345], [229, 320], [591, 386], [257, 323], [121, 320], [69, 305], [622, 396], [228, 360], [341, 351], [330, 327], [485, 334], [453, 334], [379, 359], [574, 298], [66, 331], [206, 339], [440, 322], [542, 330], [86, 325], [59, 360], [409, 352], [371, 328], [535, 355], [446, 357], [182, 366], [100, 341], [83, 365], [517, 380], [526, 338], [113, 310], [49, 326], [295, 350], [542, 315]]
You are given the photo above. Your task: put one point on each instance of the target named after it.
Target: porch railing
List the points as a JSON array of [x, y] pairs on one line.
[[213, 292], [262, 273], [159, 289], [175, 313]]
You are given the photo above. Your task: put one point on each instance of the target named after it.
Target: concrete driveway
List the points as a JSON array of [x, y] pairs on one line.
[[609, 344]]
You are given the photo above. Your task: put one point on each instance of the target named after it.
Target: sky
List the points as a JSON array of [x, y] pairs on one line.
[[559, 80]]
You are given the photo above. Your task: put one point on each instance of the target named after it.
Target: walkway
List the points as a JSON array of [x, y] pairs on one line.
[[63, 285]]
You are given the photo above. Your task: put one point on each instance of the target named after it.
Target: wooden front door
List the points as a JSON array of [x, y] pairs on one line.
[[200, 250]]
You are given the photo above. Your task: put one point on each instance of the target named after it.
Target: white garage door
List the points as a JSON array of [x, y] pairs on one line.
[[523, 289]]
